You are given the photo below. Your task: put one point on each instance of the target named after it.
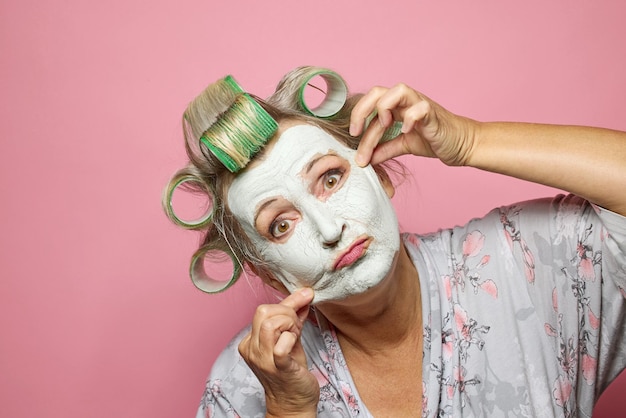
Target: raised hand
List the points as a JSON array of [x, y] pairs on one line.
[[275, 354], [427, 128]]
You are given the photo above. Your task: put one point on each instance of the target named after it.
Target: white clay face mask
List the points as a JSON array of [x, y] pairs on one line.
[[316, 217]]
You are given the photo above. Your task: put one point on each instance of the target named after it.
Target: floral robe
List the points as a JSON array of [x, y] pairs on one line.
[[523, 316]]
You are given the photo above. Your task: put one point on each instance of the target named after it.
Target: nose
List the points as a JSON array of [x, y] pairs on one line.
[[334, 237], [329, 226]]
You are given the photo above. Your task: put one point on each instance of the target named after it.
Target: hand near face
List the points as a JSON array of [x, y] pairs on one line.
[[427, 129], [275, 354]]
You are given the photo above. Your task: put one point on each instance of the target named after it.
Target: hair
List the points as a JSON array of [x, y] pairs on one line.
[[210, 178]]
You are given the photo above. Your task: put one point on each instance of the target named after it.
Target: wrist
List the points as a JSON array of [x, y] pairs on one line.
[[473, 133], [275, 410]]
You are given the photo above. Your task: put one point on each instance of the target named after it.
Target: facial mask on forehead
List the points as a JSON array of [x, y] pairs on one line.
[[340, 242]]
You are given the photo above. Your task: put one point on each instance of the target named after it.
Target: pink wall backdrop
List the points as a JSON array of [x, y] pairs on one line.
[[97, 315]]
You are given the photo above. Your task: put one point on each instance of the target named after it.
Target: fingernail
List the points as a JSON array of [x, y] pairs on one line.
[[353, 129], [360, 161], [307, 292]]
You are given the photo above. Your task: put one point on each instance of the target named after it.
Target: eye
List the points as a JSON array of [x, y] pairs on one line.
[[326, 175], [280, 227], [331, 179]]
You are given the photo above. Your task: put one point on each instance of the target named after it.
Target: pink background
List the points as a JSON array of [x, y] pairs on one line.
[[97, 315]]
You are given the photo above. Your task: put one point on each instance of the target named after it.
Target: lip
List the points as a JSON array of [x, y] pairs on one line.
[[354, 252]]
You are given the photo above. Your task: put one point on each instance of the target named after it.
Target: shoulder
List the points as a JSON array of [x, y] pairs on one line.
[[232, 389], [229, 361]]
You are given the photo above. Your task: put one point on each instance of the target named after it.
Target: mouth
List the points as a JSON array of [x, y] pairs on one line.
[[355, 251]]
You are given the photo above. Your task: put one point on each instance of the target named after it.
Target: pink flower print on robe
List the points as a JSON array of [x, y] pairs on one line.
[[469, 331], [550, 330], [350, 398], [594, 321], [589, 366], [586, 270], [473, 243], [216, 392], [587, 259], [413, 240], [488, 286], [555, 300], [322, 379], [562, 390], [513, 236], [447, 346], [460, 383]]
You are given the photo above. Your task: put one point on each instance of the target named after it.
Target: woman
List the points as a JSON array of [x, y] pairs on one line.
[[518, 313]]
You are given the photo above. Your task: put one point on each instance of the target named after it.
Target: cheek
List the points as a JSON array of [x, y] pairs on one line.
[[360, 198], [298, 256]]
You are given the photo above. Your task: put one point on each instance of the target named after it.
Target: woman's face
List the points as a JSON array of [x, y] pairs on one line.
[[316, 217]]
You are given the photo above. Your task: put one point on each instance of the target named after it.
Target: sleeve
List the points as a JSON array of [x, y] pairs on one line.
[[615, 246], [574, 258], [232, 390], [215, 403]]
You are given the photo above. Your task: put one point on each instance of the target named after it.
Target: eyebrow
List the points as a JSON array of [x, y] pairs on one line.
[[314, 161], [260, 209]]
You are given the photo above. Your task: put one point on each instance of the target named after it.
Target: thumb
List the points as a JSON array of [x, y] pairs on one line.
[[299, 299]]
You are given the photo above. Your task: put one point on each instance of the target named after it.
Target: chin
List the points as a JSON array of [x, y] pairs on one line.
[[367, 273]]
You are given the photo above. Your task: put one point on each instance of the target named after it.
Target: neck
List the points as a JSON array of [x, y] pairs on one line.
[[383, 317]]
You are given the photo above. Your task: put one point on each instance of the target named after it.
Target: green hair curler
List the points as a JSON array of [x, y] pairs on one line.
[[202, 280], [189, 224], [241, 131], [390, 133], [335, 95]]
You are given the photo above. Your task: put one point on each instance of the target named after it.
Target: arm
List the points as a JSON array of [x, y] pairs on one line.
[[589, 162]]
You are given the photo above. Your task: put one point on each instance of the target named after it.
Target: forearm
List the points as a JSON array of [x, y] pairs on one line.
[[589, 162]]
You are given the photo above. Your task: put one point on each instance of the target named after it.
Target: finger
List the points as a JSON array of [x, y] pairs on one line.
[[390, 104], [298, 299], [409, 143], [290, 307], [363, 109], [263, 319], [395, 101], [414, 114], [388, 150], [244, 346], [272, 328], [283, 360], [259, 352], [369, 142]]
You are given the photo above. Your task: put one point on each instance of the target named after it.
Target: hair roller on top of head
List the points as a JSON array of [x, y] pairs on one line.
[[241, 131], [335, 95]]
